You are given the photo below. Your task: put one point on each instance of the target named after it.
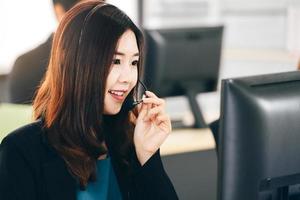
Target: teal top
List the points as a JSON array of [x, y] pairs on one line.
[[105, 187]]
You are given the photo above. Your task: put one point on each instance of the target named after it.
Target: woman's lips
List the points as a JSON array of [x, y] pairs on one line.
[[119, 95]]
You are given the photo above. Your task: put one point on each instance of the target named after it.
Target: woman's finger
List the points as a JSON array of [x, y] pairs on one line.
[[164, 122], [143, 111], [160, 119], [155, 101], [154, 111], [150, 94]]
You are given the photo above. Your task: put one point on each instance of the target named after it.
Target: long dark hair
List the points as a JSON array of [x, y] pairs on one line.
[[71, 98]]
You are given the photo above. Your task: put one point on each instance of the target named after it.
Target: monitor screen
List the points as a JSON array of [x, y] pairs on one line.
[[259, 138], [182, 58]]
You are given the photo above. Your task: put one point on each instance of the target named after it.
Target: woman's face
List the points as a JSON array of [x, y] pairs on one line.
[[123, 74]]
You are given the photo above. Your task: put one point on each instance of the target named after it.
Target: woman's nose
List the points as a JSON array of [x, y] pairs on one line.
[[126, 73]]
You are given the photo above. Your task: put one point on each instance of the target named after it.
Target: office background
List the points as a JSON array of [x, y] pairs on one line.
[[260, 36]]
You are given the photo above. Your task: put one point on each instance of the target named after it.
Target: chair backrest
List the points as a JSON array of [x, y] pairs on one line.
[[12, 116]]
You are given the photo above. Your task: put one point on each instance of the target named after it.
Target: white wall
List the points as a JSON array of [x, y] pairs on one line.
[[256, 24], [24, 24], [179, 13]]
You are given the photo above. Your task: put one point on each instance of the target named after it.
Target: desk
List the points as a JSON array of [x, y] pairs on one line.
[[188, 140]]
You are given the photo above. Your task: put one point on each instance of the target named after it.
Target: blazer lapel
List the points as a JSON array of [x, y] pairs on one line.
[[60, 185]]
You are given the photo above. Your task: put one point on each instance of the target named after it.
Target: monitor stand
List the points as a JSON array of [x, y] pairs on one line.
[[199, 119]]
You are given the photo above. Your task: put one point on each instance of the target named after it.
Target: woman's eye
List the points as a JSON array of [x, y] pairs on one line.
[[135, 63], [116, 61]]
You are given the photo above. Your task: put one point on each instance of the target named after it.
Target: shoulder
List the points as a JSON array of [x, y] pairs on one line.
[[26, 139], [39, 54], [25, 133], [21, 161], [33, 55]]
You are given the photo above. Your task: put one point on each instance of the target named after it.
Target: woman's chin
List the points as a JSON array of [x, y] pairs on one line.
[[112, 111]]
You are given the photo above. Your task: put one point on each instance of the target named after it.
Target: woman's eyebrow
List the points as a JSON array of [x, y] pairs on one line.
[[123, 54]]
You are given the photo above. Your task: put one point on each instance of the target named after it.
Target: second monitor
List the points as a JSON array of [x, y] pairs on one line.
[[183, 61]]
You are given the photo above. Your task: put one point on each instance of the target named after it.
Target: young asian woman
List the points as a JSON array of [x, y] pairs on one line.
[[84, 142]]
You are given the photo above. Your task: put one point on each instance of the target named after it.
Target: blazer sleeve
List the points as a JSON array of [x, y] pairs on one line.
[[16, 179], [150, 181]]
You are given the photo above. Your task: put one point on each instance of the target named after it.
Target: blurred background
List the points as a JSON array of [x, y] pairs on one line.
[[260, 36]]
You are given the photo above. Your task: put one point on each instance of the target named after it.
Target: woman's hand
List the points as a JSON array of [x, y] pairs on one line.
[[153, 126]]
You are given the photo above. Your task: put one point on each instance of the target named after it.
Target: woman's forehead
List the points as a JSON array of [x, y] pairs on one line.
[[127, 44]]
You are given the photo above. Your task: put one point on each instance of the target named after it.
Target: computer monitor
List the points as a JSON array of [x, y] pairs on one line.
[[259, 141], [183, 61]]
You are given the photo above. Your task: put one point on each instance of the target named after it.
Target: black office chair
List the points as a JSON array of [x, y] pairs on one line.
[[214, 127]]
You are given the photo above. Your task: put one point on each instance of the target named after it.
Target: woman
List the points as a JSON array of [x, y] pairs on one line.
[[86, 143]]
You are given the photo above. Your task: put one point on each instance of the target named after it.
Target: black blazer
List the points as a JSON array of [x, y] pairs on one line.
[[30, 169], [27, 73]]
